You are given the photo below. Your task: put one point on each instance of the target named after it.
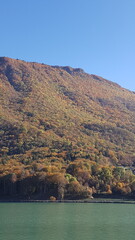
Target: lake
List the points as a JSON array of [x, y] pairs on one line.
[[67, 221]]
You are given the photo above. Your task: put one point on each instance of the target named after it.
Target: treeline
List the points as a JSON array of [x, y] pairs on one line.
[[31, 166], [77, 180]]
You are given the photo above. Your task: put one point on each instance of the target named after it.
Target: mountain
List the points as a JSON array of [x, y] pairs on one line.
[[53, 118]]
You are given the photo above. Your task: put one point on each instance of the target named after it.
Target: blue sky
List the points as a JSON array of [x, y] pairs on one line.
[[96, 35]]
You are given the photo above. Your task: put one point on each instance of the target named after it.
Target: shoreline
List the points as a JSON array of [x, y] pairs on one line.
[[113, 201]]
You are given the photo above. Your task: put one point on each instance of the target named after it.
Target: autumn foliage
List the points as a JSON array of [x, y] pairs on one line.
[[64, 133]]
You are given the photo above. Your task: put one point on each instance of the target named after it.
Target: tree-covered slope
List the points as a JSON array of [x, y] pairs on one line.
[[55, 116]]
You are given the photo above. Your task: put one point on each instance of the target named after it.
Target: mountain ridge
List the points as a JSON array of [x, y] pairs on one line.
[[66, 68]]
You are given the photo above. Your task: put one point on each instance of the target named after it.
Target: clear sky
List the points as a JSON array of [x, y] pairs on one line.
[[96, 35]]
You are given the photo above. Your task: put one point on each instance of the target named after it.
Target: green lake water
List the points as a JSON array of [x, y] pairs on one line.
[[67, 221]]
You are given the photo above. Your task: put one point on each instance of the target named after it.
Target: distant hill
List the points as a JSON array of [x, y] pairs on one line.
[[56, 115]]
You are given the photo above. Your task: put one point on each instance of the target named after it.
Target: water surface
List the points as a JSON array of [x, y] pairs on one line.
[[67, 221]]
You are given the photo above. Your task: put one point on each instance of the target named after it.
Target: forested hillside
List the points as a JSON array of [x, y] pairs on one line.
[[64, 133]]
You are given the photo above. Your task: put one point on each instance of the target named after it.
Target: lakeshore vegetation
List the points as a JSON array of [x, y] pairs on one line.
[[64, 134]]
